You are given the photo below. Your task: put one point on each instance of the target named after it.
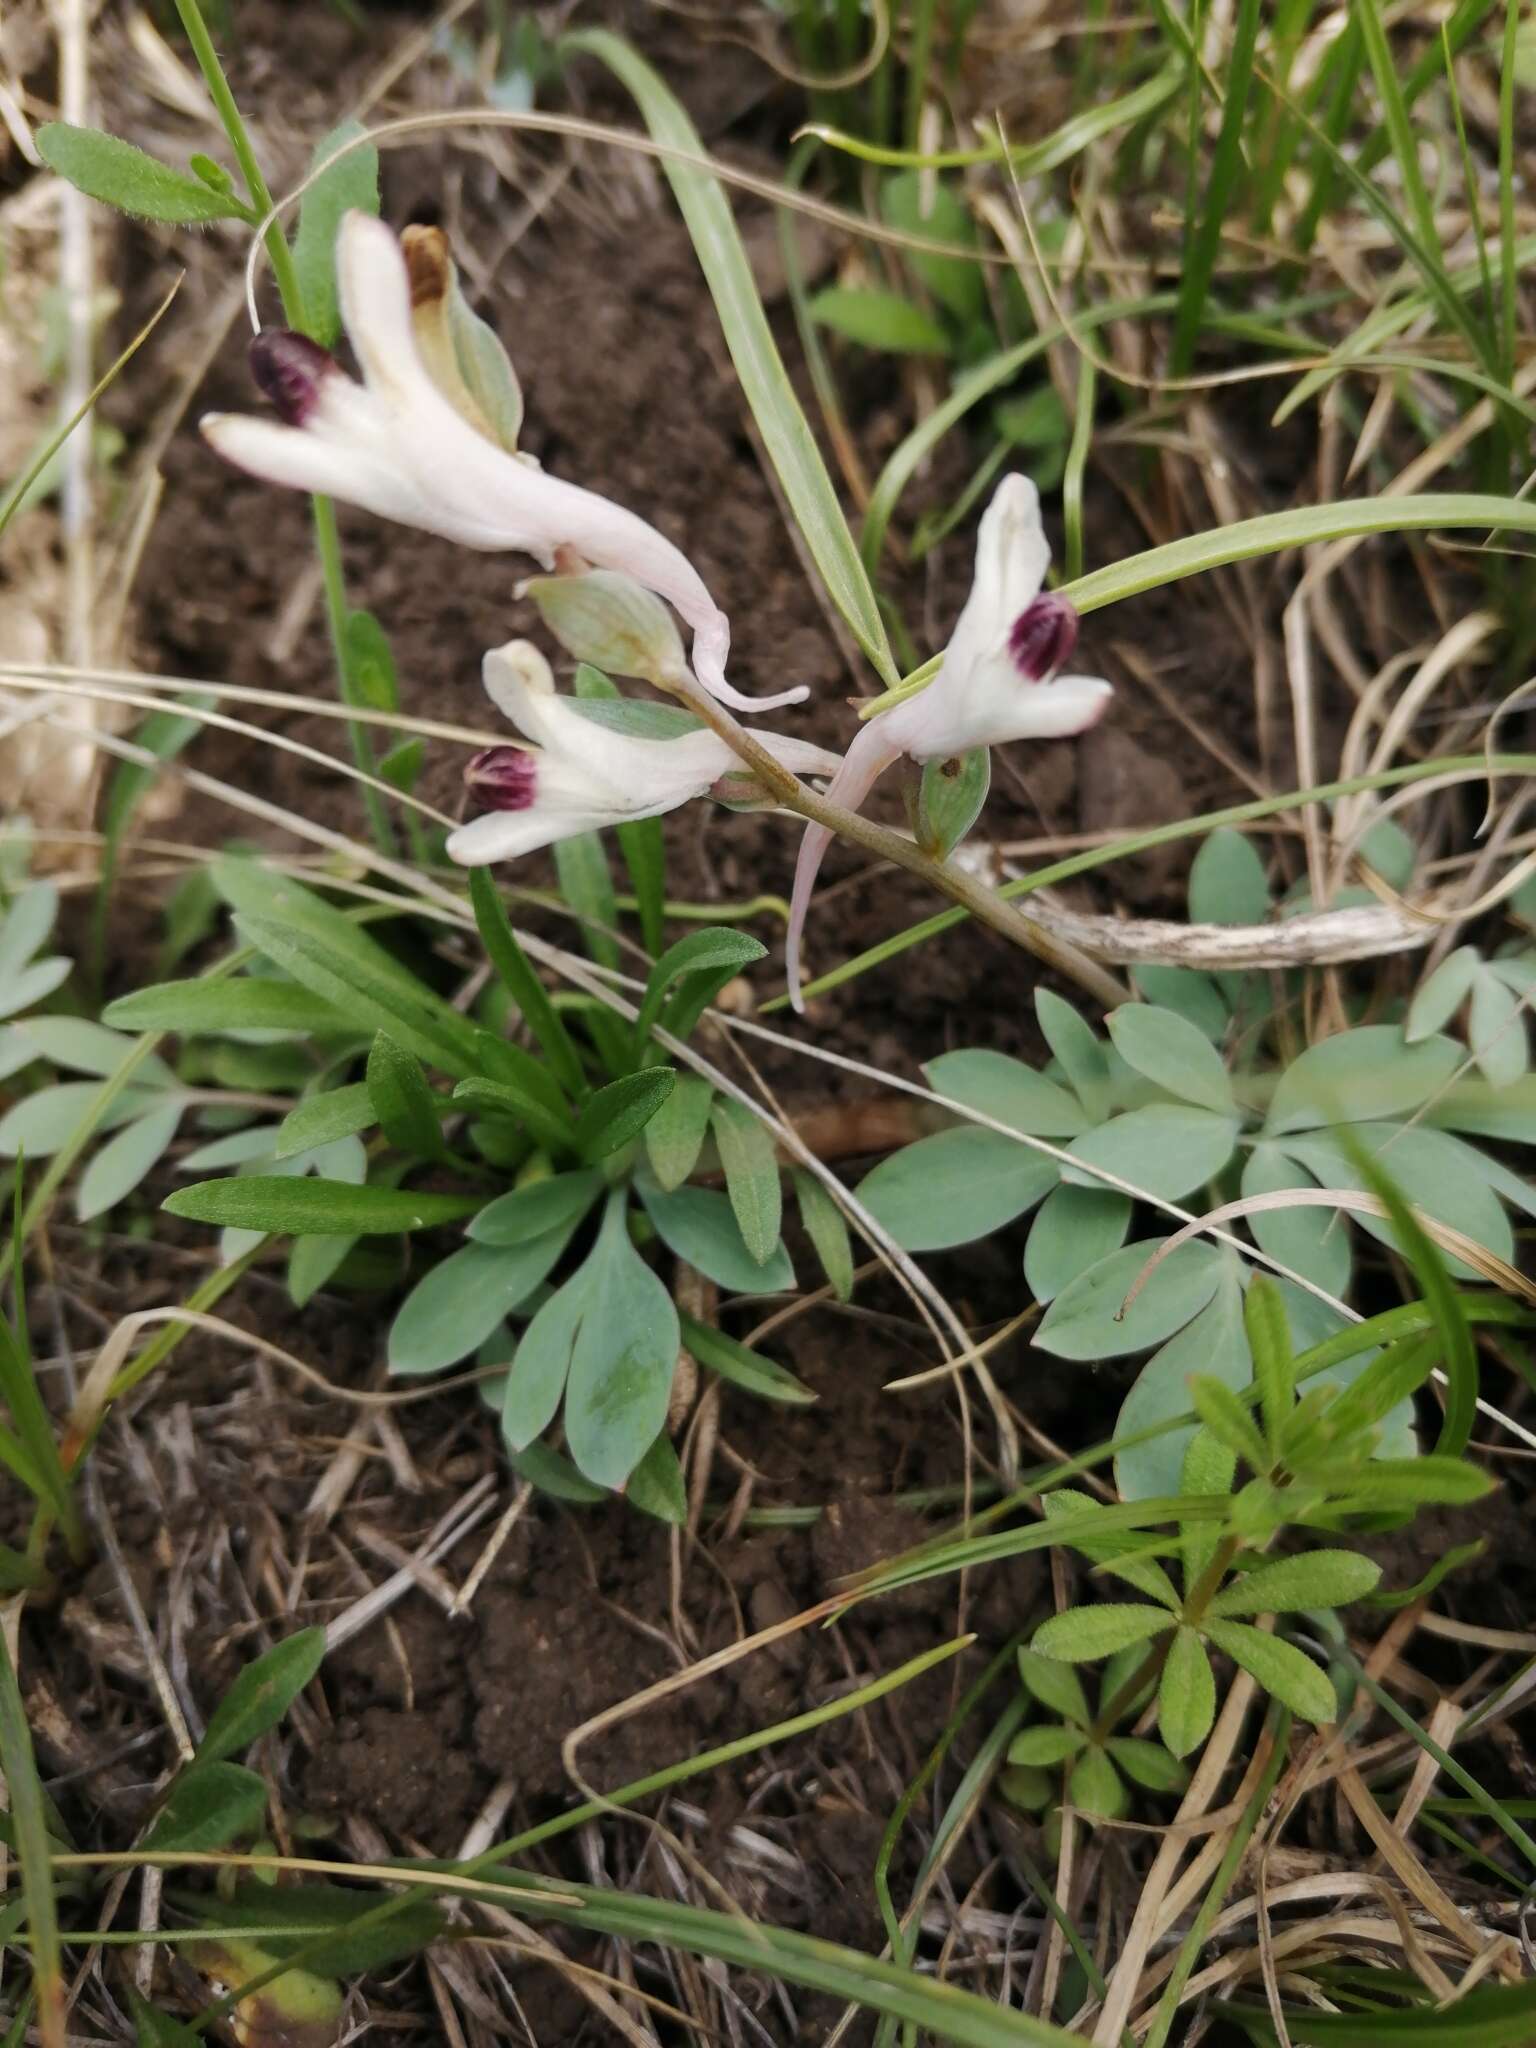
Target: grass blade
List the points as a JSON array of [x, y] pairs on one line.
[[1226, 168], [791, 445], [29, 1817]]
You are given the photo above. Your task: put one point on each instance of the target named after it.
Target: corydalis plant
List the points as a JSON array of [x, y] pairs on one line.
[[999, 680], [411, 441]]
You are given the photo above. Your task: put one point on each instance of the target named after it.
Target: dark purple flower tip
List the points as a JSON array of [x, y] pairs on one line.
[[503, 778], [1043, 636], [289, 368]]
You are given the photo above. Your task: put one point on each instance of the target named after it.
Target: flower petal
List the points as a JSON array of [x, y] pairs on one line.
[[1012, 556], [304, 460], [1054, 711], [508, 835]]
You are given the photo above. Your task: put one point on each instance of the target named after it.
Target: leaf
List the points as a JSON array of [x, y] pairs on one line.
[[402, 1102], [1007, 1091], [1173, 1053], [517, 1104], [312, 1262], [541, 1364], [1081, 1054], [1227, 883], [1084, 1634], [1147, 1763], [656, 1486], [1164, 1149], [751, 1175], [457, 1303], [367, 657], [1085, 1321], [1447, 1179], [1186, 1694], [235, 1003], [1055, 1686], [560, 1200], [621, 1111], [1043, 1746], [1095, 1786], [339, 1931], [124, 1160], [1197, 998], [586, 883], [1317, 1578], [715, 948], [1438, 999], [825, 1226], [878, 319], [1496, 1031], [209, 1806], [43, 1122], [33, 984], [1313, 1242], [700, 1227], [791, 445], [624, 1357], [553, 1473], [517, 976], [1213, 1343], [1359, 1075], [1488, 1112], [1229, 1420], [1284, 1671], [78, 1044], [376, 999], [1501, 2017], [949, 797], [924, 206], [26, 924], [742, 1366], [289, 1207], [352, 185], [675, 1135], [1075, 1228], [106, 168], [1269, 1341], [954, 1187], [1430, 1481], [320, 1119], [261, 1694]]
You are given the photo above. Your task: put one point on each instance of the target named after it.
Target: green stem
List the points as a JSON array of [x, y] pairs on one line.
[[286, 276], [1200, 1598]]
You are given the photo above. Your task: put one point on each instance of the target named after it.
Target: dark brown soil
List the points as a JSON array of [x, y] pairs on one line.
[[416, 1721]]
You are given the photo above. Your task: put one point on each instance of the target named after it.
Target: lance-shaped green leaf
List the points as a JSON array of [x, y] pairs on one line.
[[1084, 1634], [741, 1366], [402, 1102], [751, 1175], [1318, 1578], [105, 167], [675, 1135], [291, 1207], [1186, 1694], [261, 1694], [1147, 1764], [208, 1807], [460, 1301], [517, 976], [621, 1111], [559, 1200], [623, 1357], [828, 1231], [701, 1228], [1056, 1686], [1284, 1671]]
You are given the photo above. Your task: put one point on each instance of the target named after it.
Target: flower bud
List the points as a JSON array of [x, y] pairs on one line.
[[289, 370], [503, 778], [1043, 636], [612, 622], [459, 351]]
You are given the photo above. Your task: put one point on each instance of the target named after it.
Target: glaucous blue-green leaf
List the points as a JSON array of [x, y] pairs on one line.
[[1166, 1149], [551, 1472], [119, 1166], [1076, 1227], [699, 1226], [78, 1044], [1080, 1051], [1213, 1343], [1486, 1112], [542, 1363], [1086, 1321], [1438, 1173], [454, 1307], [1313, 1242], [1439, 998], [32, 984], [560, 1199], [320, 1119], [1360, 1075], [623, 1357], [26, 923], [954, 1187], [1198, 998], [40, 1123], [1007, 1091], [1496, 1031], [1227, 883], [1172, 1052], [1388, 849]]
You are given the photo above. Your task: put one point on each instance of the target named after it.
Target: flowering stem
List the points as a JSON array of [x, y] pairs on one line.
[[984, 904], [327, 542]]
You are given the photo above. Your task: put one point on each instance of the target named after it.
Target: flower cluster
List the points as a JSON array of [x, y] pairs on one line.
[[415, 441]]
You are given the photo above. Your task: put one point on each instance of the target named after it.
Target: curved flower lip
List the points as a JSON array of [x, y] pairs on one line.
[[578, 776], [396, 446]]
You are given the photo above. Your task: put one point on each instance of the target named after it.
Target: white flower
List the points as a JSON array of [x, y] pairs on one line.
[[581, 775], [397, 446], [998, 681]]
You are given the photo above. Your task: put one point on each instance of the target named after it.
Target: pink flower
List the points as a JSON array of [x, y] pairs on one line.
[[395, 445], [998, 681]]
